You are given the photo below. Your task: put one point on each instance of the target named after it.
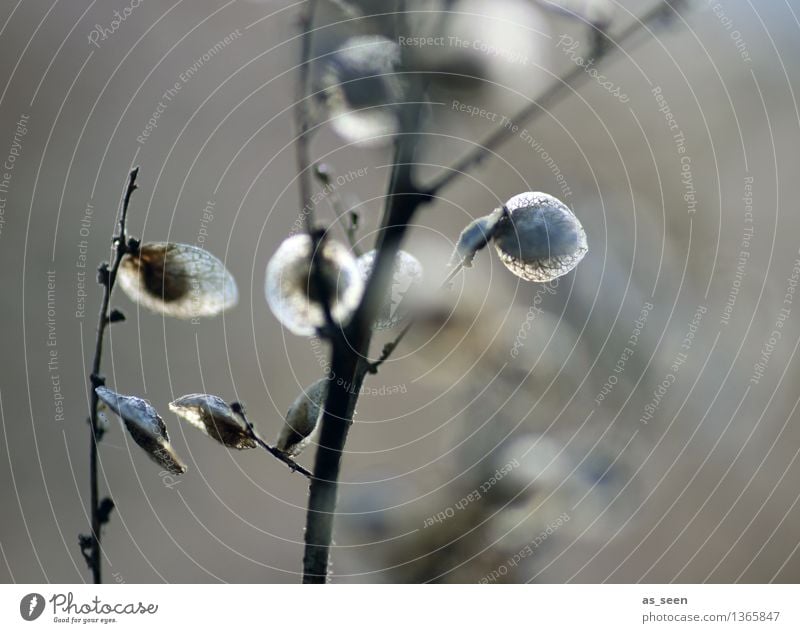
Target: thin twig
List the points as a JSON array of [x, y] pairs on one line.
[[560, 89], [238, 409], [325, 175], [301, 115], [106, 277]]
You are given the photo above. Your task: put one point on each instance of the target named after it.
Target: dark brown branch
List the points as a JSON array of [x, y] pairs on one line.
[[106, 277], [349, 363]]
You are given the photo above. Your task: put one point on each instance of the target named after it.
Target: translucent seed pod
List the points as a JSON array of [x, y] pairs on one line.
[[302, 419], [291, 294], [540, 239], [214, 417], [360, 90], [398, 299], [145, 427], [177, 280]]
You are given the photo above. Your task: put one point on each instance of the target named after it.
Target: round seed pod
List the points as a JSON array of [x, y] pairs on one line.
[[177, 280], [292, 296], [540, 238], [406, 281], [302, 419], [360, 90], [214, 417], [145, 427]]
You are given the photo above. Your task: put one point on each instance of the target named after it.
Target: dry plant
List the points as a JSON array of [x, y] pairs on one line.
[[372, 93]]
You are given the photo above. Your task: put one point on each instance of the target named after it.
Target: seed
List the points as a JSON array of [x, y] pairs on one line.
[[177, 280], [302, 419], [214, 417], [540, 238], [293, 297], [145, 427]]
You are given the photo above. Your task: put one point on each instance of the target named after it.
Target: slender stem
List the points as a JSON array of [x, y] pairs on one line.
[[238, 409], [349, 363], [325, 175], [107, 276], [301, 115]]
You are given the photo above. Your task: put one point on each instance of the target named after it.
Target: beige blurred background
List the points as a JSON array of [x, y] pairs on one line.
[[705, 490]]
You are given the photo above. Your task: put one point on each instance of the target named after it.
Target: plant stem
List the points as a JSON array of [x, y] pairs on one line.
[[560, 89], [106, 276], [238, 409]]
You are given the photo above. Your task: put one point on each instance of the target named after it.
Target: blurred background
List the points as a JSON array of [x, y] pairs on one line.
[[634, 421]]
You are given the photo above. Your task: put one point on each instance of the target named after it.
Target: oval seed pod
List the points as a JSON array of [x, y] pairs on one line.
[[214, 417], [177, 280], [406, 280], [361, 91], [291, 295], [540, 238], [145, 427], [302, 419]]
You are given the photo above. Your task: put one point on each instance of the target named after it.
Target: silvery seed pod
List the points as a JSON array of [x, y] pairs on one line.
[[177, 280], [145, 427], [360, 90], [214, 417], [406, 281], [540, 238], [302, 419], [292, 296]]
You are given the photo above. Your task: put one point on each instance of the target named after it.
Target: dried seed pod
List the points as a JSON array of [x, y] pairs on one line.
[[361, 91], [406, 281], [214, 417], [302, 419], [292, 294], [145, 426], [178, 280], [540, 238]]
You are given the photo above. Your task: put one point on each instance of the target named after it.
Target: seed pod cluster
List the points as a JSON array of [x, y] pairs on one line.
[[214, 417], [145, 427], [177, 280], [293, 295]]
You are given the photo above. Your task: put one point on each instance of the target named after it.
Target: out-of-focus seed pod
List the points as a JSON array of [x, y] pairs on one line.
[[177, 280], [477, 44], [540, 238], [361, 91], [399, 296], [302, 419], [293, 295], [145, 427], [214, 417]]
